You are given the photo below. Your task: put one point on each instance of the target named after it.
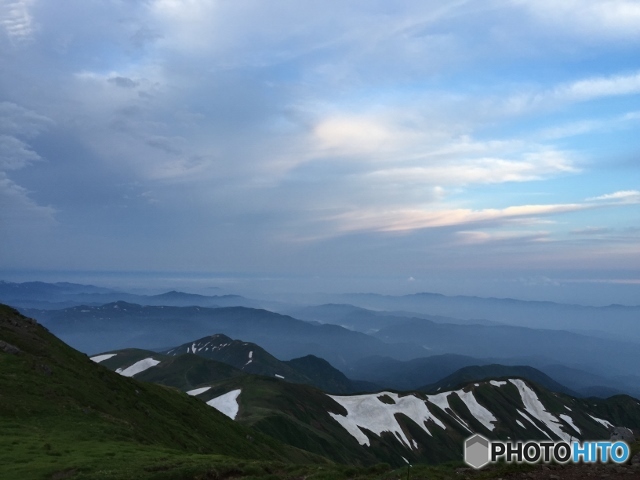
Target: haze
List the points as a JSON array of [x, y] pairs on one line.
[[484, 148]]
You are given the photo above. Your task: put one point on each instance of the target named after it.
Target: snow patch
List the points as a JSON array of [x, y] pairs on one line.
[[601, 421], [535, 408], [279, 376], [227, 403], [496, 383], [102, 358], [569, 420], [484, 416], [250, 359], [197, 391], [138, 367], [533, 423], [441, 400], [520, 423], [368, 412], [568, 408]]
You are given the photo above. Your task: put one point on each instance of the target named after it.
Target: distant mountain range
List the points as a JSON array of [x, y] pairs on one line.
[[613, 321], [495, 400], [347, 335], [53, 296], [62, 413], [123, 325]]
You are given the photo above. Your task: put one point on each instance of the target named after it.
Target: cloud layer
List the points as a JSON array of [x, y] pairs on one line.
[[286, 137]]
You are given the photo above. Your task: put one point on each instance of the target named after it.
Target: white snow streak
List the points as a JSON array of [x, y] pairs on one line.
[[441, 400], [279, 376], [227, 403], [198, 391], [601, 421], [484, 416], [138, 367], [250, 359], [102, 358], [569, 420], [533, 423], [367, 411], [496, 383], [536, 409]]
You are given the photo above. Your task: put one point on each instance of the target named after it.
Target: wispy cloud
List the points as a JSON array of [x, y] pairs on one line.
[[406, 220], [588, 18], [16, 19], [623, 196]]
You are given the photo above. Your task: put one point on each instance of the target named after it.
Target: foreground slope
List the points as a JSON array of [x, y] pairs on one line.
[[388, 426], [61, 412]]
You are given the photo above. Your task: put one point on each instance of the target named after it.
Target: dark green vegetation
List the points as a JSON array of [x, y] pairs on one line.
[[301, 415], [61, 412], [475, 373], [63, 416], [218, 357]]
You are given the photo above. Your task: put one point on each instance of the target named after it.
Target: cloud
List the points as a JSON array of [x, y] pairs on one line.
[[623, 196], [591, 231], [21, 122], [16, 19], [598, 87], [534, 166], [589, 19], [16, 206], [15, 154], [581, 90], [123, 82], [18, 209], [476, 237], [405, 220]]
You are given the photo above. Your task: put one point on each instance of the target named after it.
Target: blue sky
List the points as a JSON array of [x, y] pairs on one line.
[[485, 146]]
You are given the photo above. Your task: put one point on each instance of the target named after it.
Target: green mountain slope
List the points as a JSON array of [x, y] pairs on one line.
[[61, 412], [476, 373], [245, 356]]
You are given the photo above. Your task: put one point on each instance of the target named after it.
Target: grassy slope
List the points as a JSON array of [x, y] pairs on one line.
[[61, 412], [62, 416]]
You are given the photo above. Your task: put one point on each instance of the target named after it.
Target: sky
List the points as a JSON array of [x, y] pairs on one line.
[[476, 147]]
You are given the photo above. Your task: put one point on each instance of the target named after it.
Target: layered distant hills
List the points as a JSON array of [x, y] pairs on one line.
[[222, 407], [406, 347]]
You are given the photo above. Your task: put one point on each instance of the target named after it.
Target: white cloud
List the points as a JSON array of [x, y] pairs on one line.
[[15, 154], [582, 90], [16, 206], [589, 19], [413, 219], [597, 87], [476, 237], [16, 18], [623, 196], [534, 166], [343, 135], [21, 122]]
